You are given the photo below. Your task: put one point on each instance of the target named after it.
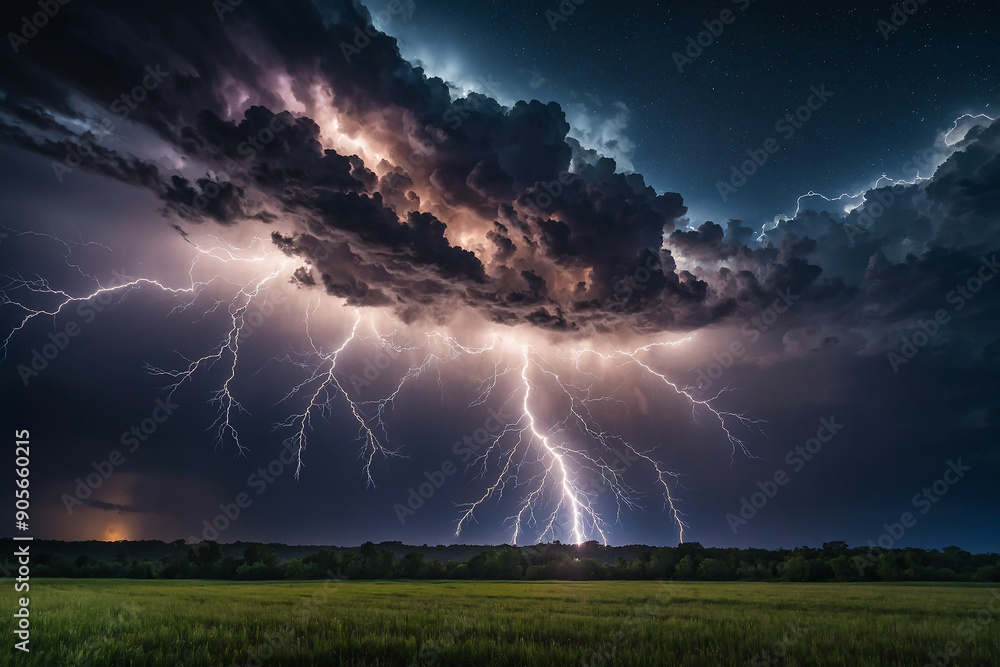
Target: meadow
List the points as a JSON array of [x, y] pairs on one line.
[[193, 623]]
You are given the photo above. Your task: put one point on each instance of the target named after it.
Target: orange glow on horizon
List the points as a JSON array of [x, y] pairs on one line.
[[115, 532]]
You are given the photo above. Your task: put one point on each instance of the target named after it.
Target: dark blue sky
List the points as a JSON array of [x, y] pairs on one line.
[[307, 233], [890, 97]]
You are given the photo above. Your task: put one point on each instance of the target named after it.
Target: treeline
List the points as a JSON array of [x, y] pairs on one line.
[[834, 561]]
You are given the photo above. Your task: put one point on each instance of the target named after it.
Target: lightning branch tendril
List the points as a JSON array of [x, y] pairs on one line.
[[551, 452]]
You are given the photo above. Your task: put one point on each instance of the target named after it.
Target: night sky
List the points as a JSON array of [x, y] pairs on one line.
[[497, 269]]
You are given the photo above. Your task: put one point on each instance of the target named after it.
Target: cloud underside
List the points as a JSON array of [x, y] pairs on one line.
[[457, 204]]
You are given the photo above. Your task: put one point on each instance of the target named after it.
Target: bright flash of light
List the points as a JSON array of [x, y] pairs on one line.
[[857, 199], [954, 126], [552, 456]]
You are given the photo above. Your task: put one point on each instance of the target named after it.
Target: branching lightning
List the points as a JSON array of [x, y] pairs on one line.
[[954, 126], [549, 451], [856, 200]]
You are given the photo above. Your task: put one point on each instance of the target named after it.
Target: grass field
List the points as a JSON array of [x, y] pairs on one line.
[[118, 622]]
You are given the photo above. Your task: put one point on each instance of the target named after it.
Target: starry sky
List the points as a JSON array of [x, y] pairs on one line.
[[683, 130], [438, 272]]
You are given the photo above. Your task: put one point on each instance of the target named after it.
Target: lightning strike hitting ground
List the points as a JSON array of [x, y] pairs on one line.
[[552, 453]]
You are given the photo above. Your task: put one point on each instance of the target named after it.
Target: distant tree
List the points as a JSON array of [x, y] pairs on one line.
[[835, 561], [620, 568], [637, 569], [294, 569], [312, 571], [227, 568], [485, 565], [661, 565], [834, 549], [368, 551], [843, 568], [260, 554], [412, 564], [434, 569], [819, 569], [325, 560], [512, 564], [209, 553], [890, 566], [384, 564], [795, 568], [686, 569], [714, 569], [142, 570], [569, 568], [256, 571], [745, 571], [693, 549]]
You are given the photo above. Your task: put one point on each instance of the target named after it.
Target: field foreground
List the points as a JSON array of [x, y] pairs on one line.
[[118, 622]]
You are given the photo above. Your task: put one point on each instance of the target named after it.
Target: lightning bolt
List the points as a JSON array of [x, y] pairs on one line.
[[559, 453], [857, 199], [553, 454], [954, 126], [228, 347], [327, 387]]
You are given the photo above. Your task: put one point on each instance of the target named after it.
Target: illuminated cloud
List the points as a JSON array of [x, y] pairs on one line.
[[380, 191]]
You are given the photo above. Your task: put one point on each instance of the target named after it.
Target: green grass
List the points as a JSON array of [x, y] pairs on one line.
[[116, 622]]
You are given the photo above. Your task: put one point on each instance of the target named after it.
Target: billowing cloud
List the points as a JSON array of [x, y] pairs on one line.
[[304, 120]]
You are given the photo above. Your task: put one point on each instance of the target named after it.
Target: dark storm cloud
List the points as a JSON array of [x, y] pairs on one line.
[[561, 229], [909, 252], [114, 507]]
